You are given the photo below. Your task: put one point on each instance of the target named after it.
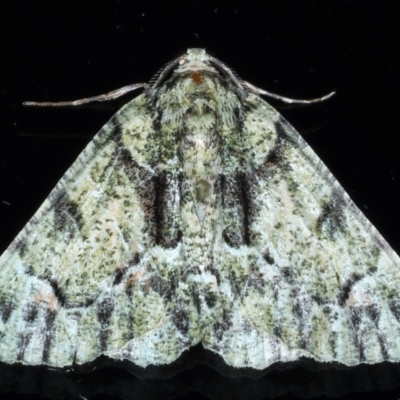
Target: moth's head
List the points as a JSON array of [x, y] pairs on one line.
[[195, 63], [194, 60]]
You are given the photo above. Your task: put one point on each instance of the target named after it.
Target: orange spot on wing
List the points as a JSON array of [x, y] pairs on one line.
[[133, 278], [47, 298]]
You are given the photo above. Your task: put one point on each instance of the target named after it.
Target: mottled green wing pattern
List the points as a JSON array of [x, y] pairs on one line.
[[85, 277], [318, 280], [199, 214]]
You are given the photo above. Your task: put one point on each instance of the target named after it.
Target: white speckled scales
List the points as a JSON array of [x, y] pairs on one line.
[[198, 214]]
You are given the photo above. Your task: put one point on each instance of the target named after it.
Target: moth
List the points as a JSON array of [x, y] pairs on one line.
[[198, 214]]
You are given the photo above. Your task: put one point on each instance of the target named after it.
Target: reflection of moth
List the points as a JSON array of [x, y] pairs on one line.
[[198, 214]]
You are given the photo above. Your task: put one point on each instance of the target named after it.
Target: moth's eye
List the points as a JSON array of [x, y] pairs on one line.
[[182, 61]]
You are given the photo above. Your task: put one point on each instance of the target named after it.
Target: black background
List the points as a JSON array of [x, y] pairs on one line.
[[57, 50]]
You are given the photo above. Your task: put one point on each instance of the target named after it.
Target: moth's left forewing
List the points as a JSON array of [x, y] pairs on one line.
[[316, 278], [85, 276]]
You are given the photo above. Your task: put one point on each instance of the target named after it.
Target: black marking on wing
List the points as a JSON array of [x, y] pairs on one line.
[[383, 346], [105, 308], [120, 272], [118, 275], [167, 221], [256, 281], [31, 312], [332, 219], [57, 290], [6, 309], [318, 299], [276, 157], [66, 214], [276, 160], [148, 187], [240, 117], [210, 298], [23, 339], [157, 193], [347, 287], [180, 318], [268, 258], [196, 299], [288, 274], [154, 283], [239, 208], [49, 320], [394, 307], [301, 309], [157, 284], [85, 304], [29, 270], [356, 318], [374, 314], [278, 331], [19, 246], [222, 326]]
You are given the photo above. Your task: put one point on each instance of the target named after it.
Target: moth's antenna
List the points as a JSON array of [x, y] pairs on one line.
[[156, 80], [228, 72], [288, 100], [103, 97]]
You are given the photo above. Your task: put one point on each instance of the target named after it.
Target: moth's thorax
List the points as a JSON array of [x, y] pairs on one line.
[[199, 149], [195, 107], [199, 142]]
